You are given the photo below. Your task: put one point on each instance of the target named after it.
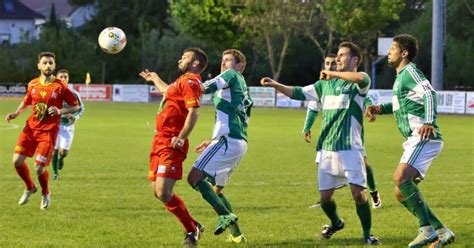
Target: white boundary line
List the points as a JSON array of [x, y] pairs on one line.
[[4, 126]]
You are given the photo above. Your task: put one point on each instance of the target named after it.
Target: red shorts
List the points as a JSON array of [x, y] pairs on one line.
[[166, 161], [41, 142]]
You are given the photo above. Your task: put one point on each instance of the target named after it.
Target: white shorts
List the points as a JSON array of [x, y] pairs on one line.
[[318, 156], [338, 168], [220, 158], [65, 137], [420, 154]]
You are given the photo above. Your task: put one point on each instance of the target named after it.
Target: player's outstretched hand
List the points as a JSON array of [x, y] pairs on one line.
[[199, 148], [307, 137], [267, 82], [426, 131], [53, 110], [371, 112], [326, 75], [10, 116], [148, 75]]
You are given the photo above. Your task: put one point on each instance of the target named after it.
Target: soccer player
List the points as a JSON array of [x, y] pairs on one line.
[[66, 129], [414, 107], [46, 94], [341, 95], [220, 156], [176, 118]]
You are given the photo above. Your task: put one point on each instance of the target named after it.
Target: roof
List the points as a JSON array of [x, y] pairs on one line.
[[62, 7], [14, 9]]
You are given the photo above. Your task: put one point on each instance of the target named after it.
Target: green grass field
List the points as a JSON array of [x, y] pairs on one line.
[[104, 199]]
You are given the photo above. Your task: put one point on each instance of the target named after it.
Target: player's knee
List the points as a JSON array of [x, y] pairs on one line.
[[194, 177], [17, 162], [40, 169], [63, 153], [163, 195], [398, 194]]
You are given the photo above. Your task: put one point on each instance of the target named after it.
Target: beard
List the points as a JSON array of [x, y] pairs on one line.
[[47, 73], [184, 68]]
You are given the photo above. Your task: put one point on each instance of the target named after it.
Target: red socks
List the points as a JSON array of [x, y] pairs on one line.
[[177, 208], [43, 180], [24, 172]]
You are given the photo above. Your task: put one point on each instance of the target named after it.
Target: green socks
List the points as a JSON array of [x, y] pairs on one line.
[[210, 196], [330, 209], [414, 202], [434, 221], [54, 162], [234, 228], [370, 179], [363, 211], [60, 162]]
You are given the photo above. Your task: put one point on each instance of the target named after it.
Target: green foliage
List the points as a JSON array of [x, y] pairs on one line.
[[209, 21], [103, 198]]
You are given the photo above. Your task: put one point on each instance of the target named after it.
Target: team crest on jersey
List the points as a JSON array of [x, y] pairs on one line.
[[43, 94]]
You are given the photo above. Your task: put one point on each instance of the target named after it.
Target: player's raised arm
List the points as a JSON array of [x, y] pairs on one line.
[[285, 89], [151, 76]]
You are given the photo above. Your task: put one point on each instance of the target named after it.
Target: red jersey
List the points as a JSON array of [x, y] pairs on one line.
[[41, 97], [180, 95]]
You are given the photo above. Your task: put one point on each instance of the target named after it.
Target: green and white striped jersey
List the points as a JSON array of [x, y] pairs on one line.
[[414, 102], [342, 104], [71, 121], [232, 102]]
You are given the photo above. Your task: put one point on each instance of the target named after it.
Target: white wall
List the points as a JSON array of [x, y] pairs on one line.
[[16, 29]]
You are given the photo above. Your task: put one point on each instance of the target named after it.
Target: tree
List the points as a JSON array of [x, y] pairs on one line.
[[362, 20]]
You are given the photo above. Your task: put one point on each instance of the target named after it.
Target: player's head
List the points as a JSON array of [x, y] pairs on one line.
[[330, 62], [193, 60], [404, 47], [349, 56], [233, 59], [63, 75], [46, 63]]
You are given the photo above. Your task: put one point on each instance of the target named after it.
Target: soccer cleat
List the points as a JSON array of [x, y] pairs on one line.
[[317, 205], [241, 239], [199, 230], [372, 240], [425, 236], [224, 221], [376, 200], [445, 237], [190, 240], [328, 230], [55, 176], [45, 201], [26, 194]]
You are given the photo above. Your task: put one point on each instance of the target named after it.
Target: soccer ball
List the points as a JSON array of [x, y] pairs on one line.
[[112, 40]]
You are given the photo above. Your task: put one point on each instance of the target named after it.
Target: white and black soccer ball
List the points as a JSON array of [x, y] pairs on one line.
[[112, 40]]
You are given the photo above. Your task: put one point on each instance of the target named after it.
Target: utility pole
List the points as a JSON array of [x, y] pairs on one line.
[[437, 44]]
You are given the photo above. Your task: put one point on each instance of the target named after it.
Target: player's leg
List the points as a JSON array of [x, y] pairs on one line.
[[408, 192], [165, 169], [363, 211], [46, 143], [198, 181], [65, 145], [25, 147], [236, 235], [374, 194], [54, 162]]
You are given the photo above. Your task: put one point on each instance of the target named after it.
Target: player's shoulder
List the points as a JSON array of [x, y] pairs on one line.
[[33, 82], [190, 78]]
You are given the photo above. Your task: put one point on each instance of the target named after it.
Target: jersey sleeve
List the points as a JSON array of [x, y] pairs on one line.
[[28, 99], [423, 90], [221, 81], [191, 92], [386, 108], [363, 87], [368, 101], [69, 97], [78, 113], [306, 93]]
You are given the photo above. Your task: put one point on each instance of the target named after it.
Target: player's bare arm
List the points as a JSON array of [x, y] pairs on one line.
[[18, 111], [53, 110], [189, 123], [153, 77], [285, 89], [199, 148], [307, 136], [372, 111], [356, 77]]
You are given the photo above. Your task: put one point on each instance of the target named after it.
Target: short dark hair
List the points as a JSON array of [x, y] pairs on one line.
[[238, 55], [63, 71], [199, 55], [409, 43], [354, 50], [46, 54], [330, 55]]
